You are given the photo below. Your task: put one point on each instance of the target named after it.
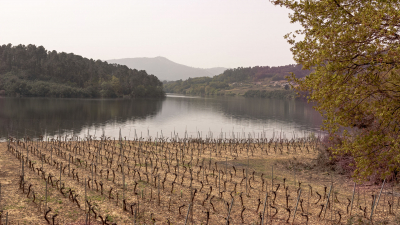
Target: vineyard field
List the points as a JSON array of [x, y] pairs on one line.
[[182, 181]]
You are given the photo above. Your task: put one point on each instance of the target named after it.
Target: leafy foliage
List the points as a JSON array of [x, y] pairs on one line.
[[354, 47], [34, 71]]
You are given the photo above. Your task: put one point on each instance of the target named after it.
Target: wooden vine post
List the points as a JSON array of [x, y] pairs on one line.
[[187, 214], [27, 151], [352, 198], [298, 198], [272, 172], [46, 197], [229, 211], [122, 164], [23, 172], [92, 175], [0, 199], [247, 168], [226, 168], [60, 173], [373, 205], [265, 204], [327, 200], [85, 195]]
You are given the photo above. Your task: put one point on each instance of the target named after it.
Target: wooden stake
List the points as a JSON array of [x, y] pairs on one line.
[[327, 200], [187, 214], [272, 169], [27, 151], [380, 192], [219, 178], [265, 204], [69, 164], [309, 194], [247, 168], [373, 205], [229, 211], [41, 157], [46, 196], [372, 209], [134, 221], [352, 199], [85, 195], [92, 175], [23, 172], [226, 168], [298, 198], [159, 189], [60, 173], [294, 177]]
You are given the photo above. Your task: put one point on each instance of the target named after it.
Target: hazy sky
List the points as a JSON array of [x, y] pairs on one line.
[[198, 33]]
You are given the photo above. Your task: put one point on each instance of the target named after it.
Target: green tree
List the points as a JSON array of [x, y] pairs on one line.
[[354, 48], [116, 85], [287, 87]]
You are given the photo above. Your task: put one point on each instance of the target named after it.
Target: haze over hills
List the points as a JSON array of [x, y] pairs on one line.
[[166, 69]]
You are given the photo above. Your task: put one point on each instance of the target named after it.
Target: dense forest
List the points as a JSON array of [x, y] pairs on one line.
[[228, 79], [34, 71], [258, 73]]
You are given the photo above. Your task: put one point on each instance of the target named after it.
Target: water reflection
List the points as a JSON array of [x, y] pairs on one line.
[[233, 115], [54, 115], [272, 109], [142, 117]]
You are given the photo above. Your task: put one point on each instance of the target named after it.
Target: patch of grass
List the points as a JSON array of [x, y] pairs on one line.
[[96, 198], [186, 165], [9, 207], [142, 184], [69, 214], [109, 218]]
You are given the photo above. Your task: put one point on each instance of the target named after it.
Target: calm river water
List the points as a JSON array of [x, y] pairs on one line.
[[175, 115]]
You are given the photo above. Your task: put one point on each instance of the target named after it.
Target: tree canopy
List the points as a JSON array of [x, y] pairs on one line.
[[353, 47], [34, 71]]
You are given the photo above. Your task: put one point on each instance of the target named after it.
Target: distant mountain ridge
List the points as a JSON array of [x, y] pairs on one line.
[[166, 69]]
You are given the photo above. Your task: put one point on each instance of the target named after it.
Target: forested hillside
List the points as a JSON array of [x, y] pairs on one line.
[[250, 78], [258, 73], [34, 71]]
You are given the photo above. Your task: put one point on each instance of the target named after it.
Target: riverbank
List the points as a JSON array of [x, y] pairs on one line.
[[249, 90]]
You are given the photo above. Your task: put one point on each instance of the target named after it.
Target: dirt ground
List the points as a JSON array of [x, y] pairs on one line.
[[219, 175], [20, 209]]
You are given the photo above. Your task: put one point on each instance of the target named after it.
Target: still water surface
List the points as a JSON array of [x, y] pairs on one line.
[[226, 116]]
